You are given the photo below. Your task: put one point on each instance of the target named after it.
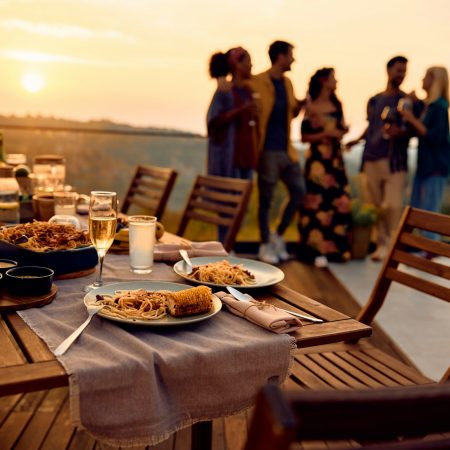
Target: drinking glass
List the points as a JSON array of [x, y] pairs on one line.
[[65, 203], [142, 242], [388, 116], [102, 227]]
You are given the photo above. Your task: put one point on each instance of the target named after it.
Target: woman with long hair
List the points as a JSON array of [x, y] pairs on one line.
[[231, 117], [432, 127], [325, 214]]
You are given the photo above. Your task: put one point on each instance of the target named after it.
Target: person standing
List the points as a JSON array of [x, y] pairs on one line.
[[384, 160], [231, 120], [325, 217], [278, 159], [231, 117], [433, 157]]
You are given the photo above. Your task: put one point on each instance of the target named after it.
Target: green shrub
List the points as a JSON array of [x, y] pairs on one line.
[[363, 214]]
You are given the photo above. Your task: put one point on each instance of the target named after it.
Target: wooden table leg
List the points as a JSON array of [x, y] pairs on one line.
[[202, 435]]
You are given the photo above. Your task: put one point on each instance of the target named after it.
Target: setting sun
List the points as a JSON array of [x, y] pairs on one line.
[[33, 82]]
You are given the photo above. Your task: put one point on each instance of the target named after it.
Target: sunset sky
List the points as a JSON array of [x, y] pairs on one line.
[[144, 62]]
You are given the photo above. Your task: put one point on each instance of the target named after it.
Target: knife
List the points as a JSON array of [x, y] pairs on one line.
[[247, 298]]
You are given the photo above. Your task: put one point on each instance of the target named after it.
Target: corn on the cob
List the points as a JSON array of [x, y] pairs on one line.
[[190, 301]]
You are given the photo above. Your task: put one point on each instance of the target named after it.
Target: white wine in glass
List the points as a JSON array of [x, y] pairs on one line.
[[102, 227]]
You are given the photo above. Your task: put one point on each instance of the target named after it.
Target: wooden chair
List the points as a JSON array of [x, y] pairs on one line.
[[389, 418], [219, 201], [150, 189], [360, 364]]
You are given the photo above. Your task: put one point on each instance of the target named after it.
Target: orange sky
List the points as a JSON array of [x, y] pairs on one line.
[[144, 62]]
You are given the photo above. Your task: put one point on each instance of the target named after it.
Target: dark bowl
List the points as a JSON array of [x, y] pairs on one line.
[[29, 280], [6, 264], [61, 261]]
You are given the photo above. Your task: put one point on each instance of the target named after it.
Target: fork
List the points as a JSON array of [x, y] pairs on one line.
[[187, 260], [62, 348]]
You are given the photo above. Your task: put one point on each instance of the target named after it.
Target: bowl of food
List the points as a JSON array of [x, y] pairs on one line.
[[60, 247], [29, 280], [6, 264]]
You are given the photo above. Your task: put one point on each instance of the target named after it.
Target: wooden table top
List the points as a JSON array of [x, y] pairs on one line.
[[27, 364]]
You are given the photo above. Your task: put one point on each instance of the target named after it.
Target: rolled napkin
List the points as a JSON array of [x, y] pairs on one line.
[[170, 252], [262, 314]]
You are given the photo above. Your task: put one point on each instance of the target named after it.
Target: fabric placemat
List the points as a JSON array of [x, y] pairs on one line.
[[132, 385]]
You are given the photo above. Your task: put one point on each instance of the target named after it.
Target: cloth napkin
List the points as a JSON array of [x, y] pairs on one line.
[[170, 252], [262, 314]]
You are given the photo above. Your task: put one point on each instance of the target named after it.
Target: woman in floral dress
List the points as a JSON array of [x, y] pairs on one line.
[[325, 214]]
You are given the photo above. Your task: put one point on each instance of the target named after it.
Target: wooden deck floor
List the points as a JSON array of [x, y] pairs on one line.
[[41, 420]]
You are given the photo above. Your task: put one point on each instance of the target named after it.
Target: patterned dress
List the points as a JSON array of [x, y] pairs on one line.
[[325, 218]]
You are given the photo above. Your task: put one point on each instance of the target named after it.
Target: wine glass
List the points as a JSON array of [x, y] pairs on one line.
[[388, 116], [255, 96], [102, 227]]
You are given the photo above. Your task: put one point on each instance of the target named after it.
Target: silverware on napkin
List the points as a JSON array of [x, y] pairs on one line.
[[63, 347], [247, 298]]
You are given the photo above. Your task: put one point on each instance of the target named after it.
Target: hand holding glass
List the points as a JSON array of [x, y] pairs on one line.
[[142, 231], [102, 226]]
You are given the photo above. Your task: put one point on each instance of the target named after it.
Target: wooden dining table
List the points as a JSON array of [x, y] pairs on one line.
[[27, 364]]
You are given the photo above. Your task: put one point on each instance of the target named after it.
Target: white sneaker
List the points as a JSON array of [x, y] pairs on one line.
[[279, 246], [321, 262], [379, 254], [267, 254]]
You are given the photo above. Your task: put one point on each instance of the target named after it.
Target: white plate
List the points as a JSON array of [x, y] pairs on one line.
[[265, 274], [151, 286]]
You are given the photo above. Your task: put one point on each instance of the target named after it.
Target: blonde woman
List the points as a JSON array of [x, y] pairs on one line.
[[432, 127]]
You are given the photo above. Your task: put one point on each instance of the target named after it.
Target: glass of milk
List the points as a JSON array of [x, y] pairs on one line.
[[142, 242]]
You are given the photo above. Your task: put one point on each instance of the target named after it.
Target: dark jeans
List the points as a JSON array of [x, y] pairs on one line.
[[274, 166]]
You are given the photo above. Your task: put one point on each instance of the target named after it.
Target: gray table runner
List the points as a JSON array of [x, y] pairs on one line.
[[133, 385]]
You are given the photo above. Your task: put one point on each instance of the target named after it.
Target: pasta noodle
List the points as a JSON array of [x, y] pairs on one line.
[[44, 236], [139, 304], [222, 272]]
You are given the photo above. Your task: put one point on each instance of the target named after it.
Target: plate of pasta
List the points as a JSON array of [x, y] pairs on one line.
[[154, 303], [218, 271]]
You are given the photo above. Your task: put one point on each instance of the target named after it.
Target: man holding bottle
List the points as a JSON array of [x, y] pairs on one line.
[[384, 161]]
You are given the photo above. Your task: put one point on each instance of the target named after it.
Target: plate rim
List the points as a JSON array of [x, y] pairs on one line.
[[278, 271], [217, 305]]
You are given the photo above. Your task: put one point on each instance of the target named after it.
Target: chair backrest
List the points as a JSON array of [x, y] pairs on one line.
[[371, 415], [150, 189], [218, 201], [402, 251]]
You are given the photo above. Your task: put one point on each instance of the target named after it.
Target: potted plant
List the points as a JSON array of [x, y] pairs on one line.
[[364, 215]]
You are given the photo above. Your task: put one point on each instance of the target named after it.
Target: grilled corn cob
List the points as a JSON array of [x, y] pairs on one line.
[[190, 301]]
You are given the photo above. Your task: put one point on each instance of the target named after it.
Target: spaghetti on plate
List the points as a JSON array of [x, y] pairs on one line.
[[222, 272]]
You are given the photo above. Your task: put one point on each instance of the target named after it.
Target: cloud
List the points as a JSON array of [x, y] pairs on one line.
[[63, 31], [31, 56]]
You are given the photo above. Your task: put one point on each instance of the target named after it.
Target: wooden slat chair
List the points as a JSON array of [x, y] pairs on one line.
[[150, 189], [218, 201], [403, 418], [360, 364]]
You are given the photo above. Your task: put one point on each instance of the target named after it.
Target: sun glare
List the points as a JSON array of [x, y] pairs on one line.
[[33, 82]]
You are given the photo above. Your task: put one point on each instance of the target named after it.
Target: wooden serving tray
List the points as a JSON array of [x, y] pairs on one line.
[[10, 302]]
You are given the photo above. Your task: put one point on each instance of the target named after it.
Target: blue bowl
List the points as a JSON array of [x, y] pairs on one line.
[[29, 280]]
